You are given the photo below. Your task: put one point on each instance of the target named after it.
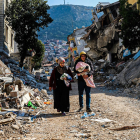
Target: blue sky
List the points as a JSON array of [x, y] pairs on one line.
[[78, 2]]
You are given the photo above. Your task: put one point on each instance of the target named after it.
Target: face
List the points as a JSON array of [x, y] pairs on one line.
[[62, 64], [83, 57]]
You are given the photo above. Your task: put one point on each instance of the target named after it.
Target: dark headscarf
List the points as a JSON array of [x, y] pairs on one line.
[[60, 69]]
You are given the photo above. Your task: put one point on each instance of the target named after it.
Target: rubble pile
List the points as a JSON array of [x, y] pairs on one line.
[[18, 87], [130, 74], [128, 80], [12, 69], [106, 71], [16, 95], [22, 98]]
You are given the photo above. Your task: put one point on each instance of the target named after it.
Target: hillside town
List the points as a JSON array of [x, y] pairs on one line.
[[94, 59], [55, 49]]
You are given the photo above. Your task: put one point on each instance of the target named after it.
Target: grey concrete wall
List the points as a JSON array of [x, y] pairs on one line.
[[1, 25], [79, 33]]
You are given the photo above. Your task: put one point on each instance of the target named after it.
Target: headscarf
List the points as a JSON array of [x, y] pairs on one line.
[[60, 59], [60, 69]]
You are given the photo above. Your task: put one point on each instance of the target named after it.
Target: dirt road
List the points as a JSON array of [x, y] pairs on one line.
[[120, 110]]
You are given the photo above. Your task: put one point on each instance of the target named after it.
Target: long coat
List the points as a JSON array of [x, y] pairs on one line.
[[52, 81]]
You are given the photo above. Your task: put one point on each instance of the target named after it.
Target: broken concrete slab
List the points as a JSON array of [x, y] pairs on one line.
[[5, 104], [130, 72], [83, 135], [24, 99], [8, 117], [7, 79], [44, 92], [2, 133], [14, 93], [15, 127], [40, 103], [20, 84]]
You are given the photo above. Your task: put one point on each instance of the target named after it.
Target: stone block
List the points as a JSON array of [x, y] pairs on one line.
[[8, 89], [15, 127], [44, 92], [14, 93], [36, 90], [20, 84], [5, 105], [40, 103], [24, 99]]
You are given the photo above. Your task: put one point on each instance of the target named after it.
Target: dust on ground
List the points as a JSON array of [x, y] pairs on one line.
[[120, 110]]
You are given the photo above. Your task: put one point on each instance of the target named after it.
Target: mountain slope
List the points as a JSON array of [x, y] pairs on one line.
[[66, 19]]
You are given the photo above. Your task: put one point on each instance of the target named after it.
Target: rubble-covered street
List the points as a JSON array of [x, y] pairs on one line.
[[71, 54], [112, 109], [26, 105]]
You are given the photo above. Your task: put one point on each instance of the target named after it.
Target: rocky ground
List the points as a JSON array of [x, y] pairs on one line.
[[118, 109]]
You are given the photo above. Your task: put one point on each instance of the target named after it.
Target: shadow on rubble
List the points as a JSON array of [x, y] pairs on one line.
[[54, 115]]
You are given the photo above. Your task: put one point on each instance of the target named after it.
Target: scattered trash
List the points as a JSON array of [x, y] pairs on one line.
[[83, 135], [48, 103], [87, 115], [73, 131], [102, 120], [31, 105]]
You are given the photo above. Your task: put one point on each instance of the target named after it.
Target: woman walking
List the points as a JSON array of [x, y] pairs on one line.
[[60, 90]]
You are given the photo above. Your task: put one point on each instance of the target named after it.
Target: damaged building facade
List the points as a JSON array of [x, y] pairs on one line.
[[76, 44], [103, 36], [7, 43], [101, 39]]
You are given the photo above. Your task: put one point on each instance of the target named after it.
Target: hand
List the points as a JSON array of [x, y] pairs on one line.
[[50, 88], [65, 78], [85, 76], [85, 70]]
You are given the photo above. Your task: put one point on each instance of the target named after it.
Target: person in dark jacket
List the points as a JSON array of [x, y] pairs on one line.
[[82, 84], [60, 90]]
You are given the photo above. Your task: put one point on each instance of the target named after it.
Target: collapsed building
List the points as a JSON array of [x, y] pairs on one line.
[[101, 42], [101, 39], [102, 36]]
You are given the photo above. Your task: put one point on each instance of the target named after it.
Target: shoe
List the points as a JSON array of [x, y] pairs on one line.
[[89, 110], [80, 109], [63, 113]]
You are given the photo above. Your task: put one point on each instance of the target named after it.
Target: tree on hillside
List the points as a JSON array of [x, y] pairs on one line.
[[26, 17], [130, 30], [40, 50]]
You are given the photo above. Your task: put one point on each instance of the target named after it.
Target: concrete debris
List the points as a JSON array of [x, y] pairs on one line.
[[14, 93], [2, 133], [83, 135], [15, 127], [102, 120], [9, 117], [17, 88], [130, 74], [44, 92], [127, 91]]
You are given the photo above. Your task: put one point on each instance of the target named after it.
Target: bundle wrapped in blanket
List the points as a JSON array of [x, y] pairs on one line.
[[80, 67], [66, 76]]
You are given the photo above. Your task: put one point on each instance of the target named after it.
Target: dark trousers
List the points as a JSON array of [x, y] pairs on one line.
[[81, 87]]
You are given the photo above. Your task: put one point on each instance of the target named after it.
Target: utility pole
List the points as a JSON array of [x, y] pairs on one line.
[[46, 35], [64, 2]]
